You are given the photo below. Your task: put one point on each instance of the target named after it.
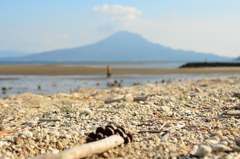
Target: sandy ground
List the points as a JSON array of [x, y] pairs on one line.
[[59, 70]]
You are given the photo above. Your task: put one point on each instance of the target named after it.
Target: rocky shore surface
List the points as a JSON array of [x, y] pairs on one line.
[[183, 119]]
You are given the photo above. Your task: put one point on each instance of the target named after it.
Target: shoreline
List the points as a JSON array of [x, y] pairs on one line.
[[60, 70]]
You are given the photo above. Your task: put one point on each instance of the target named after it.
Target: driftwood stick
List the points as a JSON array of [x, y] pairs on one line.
[[113, 100], [163, 119], [140, 98], [233, 113], [42, 120], [150, 131], [86, 150]]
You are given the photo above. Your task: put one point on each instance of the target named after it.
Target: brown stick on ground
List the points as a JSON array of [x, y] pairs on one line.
[[86, 150], [42, 120]]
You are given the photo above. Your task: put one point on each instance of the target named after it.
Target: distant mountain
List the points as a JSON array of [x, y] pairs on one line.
[[122, 46], [13, 53], [237, 59]]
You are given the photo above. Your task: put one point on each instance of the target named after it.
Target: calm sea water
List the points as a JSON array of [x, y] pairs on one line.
[[19, 84]]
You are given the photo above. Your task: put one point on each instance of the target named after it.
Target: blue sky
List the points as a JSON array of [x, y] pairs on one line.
[[210, 26]]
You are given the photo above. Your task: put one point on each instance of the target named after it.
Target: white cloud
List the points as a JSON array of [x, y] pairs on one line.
[[118, 12]]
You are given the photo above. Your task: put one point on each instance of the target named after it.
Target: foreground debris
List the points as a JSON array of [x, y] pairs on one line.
[[86, 150], [180, 119]]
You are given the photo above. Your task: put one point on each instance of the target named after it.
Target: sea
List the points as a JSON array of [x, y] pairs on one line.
[[42, 84]]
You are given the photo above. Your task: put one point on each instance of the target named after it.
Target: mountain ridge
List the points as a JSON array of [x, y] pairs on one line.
[[122, 46]]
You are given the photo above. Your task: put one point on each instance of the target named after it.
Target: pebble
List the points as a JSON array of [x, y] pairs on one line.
[[128, 98], [203, 150], [220, 148]]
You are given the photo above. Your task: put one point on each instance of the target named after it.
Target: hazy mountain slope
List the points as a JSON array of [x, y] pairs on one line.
[[122, 46], [237, 59]]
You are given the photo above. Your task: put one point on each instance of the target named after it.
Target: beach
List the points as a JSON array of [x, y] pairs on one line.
[[180, 119], [173, 119], [75, 70]]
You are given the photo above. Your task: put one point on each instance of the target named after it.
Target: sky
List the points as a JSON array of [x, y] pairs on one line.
[[209, 26]]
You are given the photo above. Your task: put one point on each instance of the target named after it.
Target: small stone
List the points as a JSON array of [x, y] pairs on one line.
[[2, 128], [59, 145], [194, 149], [128, 98], [43, 151], [198, 89], [94, 127], [213, 140], [2, 143], [86, 112], [220, 148], [27, 134], [203, 150], [82, 132], [55, 151], [54, 140], [68, 136], [223, 143], [166, 109], [55, 134], [218, 134]]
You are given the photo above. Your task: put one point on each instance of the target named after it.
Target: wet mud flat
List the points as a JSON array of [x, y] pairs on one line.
[[181, 119]]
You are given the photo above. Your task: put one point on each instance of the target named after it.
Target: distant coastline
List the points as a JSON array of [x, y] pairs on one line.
[[210, 64]]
